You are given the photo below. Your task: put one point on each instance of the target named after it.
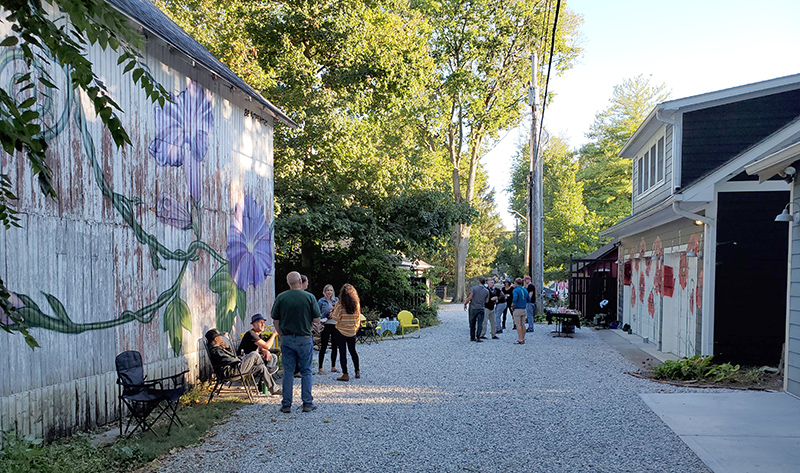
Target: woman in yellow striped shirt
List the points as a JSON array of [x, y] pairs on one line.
[[347, 314]]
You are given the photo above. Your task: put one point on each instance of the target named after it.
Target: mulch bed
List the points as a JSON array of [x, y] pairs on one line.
[[769, 382]]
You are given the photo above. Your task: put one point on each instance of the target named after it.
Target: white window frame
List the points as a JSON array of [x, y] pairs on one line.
[[647, 166]]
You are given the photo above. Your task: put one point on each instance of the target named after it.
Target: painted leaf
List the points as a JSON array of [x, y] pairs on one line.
[[241, 304], [177, 316], [223, 285], [57, 307]]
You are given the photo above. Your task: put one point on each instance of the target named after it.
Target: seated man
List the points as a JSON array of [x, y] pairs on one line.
[[252, 341], [222, 356]]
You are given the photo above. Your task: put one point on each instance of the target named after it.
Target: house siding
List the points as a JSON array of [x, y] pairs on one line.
[[714, 135], [793, 332], [661, 191], [81, 250]]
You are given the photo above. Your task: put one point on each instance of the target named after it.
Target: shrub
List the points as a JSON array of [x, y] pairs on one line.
[[695, 368]]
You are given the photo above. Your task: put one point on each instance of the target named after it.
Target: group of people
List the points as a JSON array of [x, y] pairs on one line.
[[295, 313], [489, 303]]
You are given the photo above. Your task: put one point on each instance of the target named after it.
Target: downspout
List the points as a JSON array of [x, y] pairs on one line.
[[709, 273], [677, 145]]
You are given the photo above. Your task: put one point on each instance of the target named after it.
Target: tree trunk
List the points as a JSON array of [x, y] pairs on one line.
[[461, 245]]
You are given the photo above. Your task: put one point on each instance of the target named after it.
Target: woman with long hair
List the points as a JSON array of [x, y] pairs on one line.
[[347, 314], [329, 327]]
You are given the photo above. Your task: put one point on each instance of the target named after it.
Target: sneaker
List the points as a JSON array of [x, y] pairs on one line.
[[343, 377], [529, 330], [286, 409], [472, 339], [358, 374], [478, 340], [483, 337], [495, 337], [499, 331], [276, 392], [309, 407]]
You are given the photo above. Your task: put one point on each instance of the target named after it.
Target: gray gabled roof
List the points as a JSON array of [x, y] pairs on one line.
[[160, 25]]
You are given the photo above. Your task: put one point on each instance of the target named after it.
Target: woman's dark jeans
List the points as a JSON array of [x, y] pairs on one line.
[[328, 333], [341, 341]]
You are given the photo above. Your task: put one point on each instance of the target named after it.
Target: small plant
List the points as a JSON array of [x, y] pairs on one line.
[[695, 368]]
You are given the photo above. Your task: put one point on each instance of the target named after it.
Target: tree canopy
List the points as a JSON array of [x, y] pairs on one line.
[[605, 176]]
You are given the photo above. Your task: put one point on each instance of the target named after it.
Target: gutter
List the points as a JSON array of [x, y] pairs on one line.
[[677, 145], [676, 207]]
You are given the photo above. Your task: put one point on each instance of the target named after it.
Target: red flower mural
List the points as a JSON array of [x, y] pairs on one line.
[[651, 304], [658, 249], [633, 295], [641, 287], [694, 243], [691, 301], [647, 265], [658, 278], [642, 248], [683, 270], [699, 294]]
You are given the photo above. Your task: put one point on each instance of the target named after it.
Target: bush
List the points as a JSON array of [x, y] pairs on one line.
[[428, 315], [695, 368]]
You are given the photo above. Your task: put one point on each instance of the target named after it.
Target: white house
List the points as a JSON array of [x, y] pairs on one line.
[[148, 246], [703, 262]]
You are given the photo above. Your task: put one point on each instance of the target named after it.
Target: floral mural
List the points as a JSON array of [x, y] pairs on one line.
[[181, 139], [250, 245], [182, 131]]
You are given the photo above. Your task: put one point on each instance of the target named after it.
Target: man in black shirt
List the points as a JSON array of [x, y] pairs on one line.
[[252, 341]]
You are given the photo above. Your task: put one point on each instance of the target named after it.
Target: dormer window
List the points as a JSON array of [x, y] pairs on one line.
[[650, 166]]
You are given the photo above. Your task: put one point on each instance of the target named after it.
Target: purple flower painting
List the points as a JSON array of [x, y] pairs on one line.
[[250, 251], [171, 212], [182, 131]]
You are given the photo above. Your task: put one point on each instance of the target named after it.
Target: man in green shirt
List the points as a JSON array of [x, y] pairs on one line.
[[293, 313]]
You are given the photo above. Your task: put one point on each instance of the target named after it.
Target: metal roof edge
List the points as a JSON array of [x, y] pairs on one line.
[[210, 62]]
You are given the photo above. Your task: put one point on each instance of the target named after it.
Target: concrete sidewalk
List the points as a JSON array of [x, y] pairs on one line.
[[735, 432], [731, 432]]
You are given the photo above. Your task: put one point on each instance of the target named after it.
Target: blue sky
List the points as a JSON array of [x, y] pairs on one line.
[[693, 47]]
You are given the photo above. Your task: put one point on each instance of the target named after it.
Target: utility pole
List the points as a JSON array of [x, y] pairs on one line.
[[535, 213]]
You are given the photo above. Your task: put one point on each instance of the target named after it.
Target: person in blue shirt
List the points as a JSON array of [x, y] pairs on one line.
[[520, 300], [325, 307]]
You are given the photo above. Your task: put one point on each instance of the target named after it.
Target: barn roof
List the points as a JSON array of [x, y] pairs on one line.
[[160, 25]]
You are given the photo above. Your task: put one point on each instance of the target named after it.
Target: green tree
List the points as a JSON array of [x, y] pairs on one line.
[[61, 29], [569, 227], [479, 48], [605, 176], [357, 182]]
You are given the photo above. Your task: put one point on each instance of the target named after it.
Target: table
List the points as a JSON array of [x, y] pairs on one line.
[[389, 326], [566, 320]]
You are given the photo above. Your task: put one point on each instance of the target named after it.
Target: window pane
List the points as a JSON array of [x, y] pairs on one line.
[[653, 166], [660, 163], [646, 168], [639, 177]]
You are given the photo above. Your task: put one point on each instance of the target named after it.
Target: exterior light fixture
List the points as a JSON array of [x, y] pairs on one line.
[[698, 222], [787, 216]]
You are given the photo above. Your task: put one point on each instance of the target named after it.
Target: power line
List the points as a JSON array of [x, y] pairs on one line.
[[549, 67]]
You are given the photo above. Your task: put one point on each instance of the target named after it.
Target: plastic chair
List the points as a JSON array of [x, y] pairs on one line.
[[407, 320], [142, 397]]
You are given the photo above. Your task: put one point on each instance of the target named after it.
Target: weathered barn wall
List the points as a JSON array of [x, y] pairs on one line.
[[662, 298], [143, 249]]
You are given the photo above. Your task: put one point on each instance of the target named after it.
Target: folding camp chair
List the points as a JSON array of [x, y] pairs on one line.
[[368, 331], [142, 397], [235, 374]]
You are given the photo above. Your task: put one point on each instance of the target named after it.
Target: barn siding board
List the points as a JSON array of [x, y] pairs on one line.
[[80, 250]]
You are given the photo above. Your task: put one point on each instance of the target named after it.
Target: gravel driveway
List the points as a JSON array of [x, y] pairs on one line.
[[443, 403]]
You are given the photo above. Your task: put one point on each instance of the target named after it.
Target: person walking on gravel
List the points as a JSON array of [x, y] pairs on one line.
[[293, 313], [520, 302], [477, 305]]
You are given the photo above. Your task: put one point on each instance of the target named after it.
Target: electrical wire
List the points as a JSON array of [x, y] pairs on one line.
[[547, 81]]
